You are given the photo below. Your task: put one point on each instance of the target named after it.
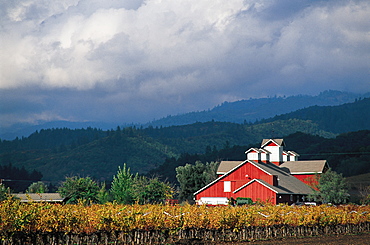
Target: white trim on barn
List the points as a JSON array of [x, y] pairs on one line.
[[213, 201], [221, 177]]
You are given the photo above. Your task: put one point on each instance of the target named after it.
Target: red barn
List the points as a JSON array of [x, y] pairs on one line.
[[307, 171], [264, 176]]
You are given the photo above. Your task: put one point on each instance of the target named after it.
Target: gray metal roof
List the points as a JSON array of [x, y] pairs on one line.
[[276, 189], [293, 153], [301, 167], [39, 197], [253, 149], [277, 141], [286, 182], [226, 166]]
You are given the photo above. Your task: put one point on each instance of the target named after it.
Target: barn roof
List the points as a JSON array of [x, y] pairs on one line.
[[286, 182], [39, 197], [275, 189], [226, 166], [305, 167], [253, 149], [276, 141], [293, 153]]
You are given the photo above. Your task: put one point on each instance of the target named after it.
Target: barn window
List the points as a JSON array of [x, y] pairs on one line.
[[227, 186], [291, 198]]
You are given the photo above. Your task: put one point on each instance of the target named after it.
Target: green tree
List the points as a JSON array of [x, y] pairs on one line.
[[151, 190], [332, 188], [122, 186], [77, 188], [37, 187], [128, 188], [4, 192], [192, 177], [210, 172], [103, 194]]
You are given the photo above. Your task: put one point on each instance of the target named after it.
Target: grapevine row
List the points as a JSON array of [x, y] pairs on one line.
[[46, 217]]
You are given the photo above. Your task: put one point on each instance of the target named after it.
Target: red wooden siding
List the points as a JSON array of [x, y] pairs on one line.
[[271, 144], [256, 173], [257, 192], [239, 177], [308, 179], [215, 190]]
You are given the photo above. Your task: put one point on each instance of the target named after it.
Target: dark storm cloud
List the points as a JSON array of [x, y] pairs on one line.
[[128, 61]]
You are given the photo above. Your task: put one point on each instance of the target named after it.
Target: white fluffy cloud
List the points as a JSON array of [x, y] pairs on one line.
[[180, 55]]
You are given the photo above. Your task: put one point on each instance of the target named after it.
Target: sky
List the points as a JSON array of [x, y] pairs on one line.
[[135, 61]]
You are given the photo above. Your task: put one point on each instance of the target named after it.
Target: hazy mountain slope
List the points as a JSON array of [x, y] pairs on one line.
[[256, 109], [194, 138], [337, 119], [25, 129], [53, 138], [238, 112], [99, 158]]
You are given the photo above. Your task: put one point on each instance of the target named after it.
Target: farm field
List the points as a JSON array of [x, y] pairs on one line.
[[351, 239], [145, 224]]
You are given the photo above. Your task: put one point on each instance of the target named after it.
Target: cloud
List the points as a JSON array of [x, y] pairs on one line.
[[124, 57]]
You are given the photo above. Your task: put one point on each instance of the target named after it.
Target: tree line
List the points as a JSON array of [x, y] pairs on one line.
[[126, 188], [18, 178]]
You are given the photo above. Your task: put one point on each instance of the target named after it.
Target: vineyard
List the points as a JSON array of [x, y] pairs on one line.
[[45, 223]]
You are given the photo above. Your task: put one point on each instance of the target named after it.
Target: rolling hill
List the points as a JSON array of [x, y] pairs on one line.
[[256, 109], [243, 111], [57, 153], [336, 119]]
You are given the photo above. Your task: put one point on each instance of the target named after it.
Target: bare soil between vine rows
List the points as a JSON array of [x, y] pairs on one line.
[[349, 239]]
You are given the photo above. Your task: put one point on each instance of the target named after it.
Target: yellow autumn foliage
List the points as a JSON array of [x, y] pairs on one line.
[[79, 218]]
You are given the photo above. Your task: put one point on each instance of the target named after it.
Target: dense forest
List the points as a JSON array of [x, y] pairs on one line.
[[60, 152], [18, 178], [336, 119]]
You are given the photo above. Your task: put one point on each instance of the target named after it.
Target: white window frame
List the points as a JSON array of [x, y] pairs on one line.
[[227, 186]]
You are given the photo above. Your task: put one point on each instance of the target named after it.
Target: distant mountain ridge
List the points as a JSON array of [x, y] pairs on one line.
[[25, 129], [256, 109], [243, 111]]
